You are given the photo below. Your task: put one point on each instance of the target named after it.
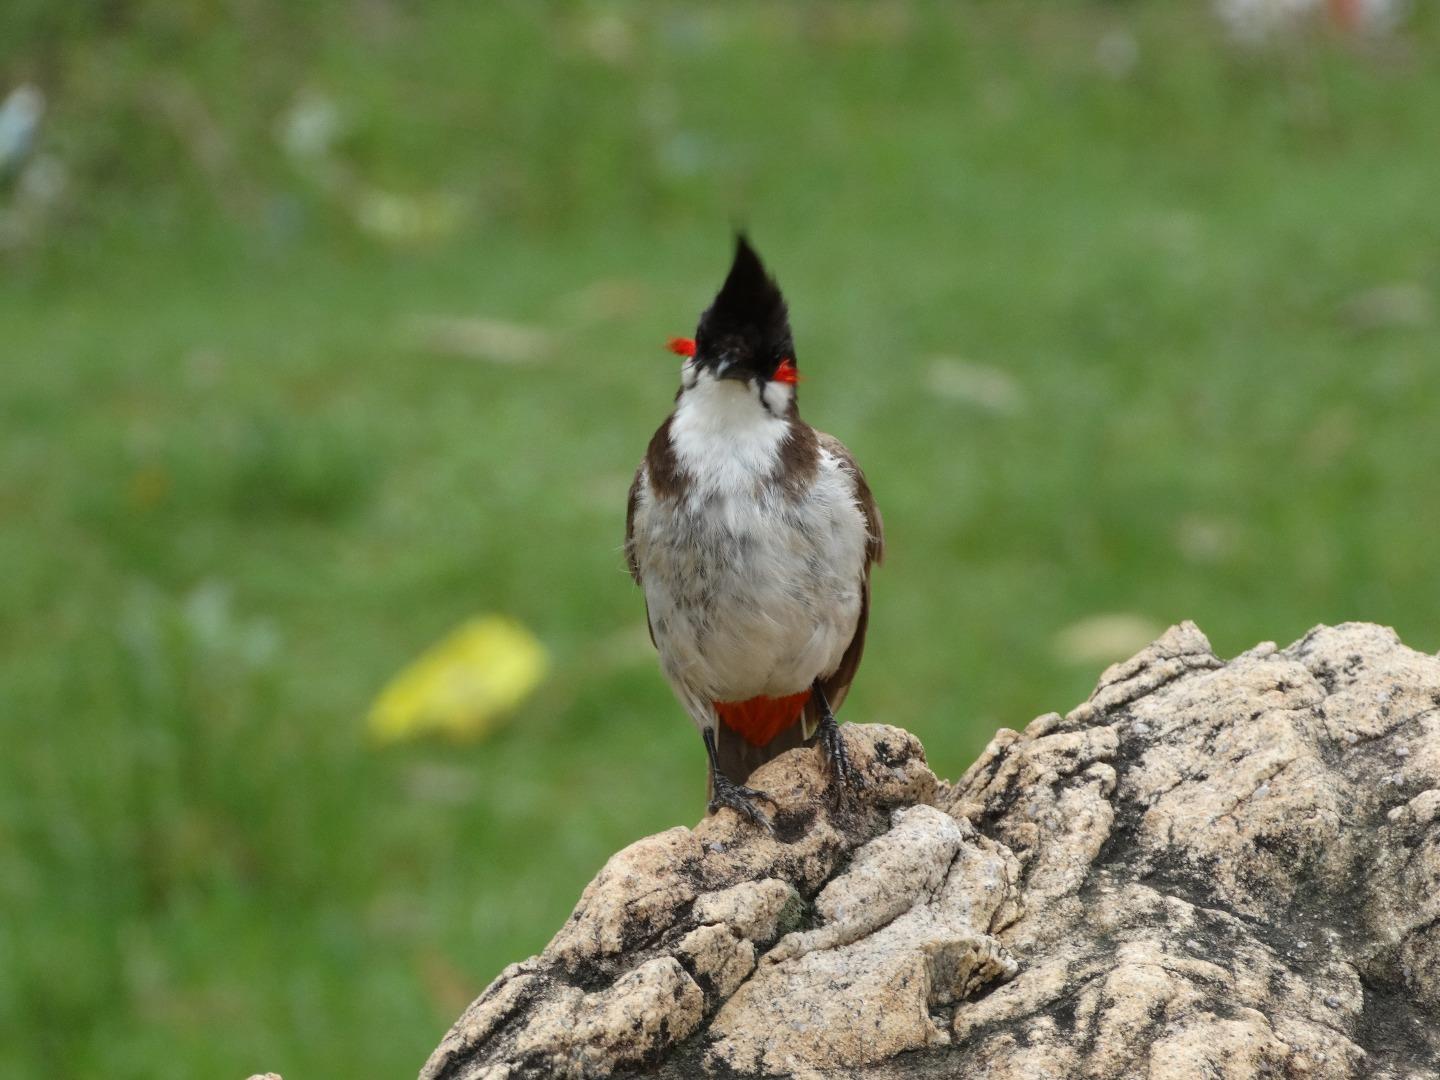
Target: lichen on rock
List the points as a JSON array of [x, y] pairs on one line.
[[1207, 869]]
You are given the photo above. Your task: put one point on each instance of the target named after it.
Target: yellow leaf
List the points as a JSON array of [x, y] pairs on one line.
[[462, 685]]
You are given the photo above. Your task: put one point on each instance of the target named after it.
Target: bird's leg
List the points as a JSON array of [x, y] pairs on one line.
[[725, 792], [832, 743]]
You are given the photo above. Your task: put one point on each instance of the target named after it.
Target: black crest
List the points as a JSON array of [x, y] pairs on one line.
[[747, 327]]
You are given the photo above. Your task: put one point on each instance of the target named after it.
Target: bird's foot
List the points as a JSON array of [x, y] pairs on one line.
[[740, 799], [846, 781]]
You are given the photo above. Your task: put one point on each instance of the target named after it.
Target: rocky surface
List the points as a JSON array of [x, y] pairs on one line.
[[1209, 869]]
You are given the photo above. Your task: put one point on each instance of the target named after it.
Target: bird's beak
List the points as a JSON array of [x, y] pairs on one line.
[[725, 368]]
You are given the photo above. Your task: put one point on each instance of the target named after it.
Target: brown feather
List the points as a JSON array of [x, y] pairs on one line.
[[631, 561], [630, 501], [875, 548], [662, 472]]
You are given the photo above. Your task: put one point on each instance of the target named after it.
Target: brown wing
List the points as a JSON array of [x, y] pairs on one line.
[[630, 502], [875, 546], [630, 560], [661, 473], [838, 684]]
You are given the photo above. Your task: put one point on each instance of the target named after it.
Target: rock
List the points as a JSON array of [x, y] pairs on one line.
[[1210, 869], [903, 930]]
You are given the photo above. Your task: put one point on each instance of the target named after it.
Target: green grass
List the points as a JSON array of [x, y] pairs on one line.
[[237, 492]]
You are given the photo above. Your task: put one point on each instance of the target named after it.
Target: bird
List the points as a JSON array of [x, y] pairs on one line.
[[752, 536]]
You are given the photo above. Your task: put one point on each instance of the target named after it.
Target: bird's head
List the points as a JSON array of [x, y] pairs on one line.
[[743, 338]]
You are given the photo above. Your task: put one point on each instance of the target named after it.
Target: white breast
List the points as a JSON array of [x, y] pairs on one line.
[[750, 590], [723, 437]]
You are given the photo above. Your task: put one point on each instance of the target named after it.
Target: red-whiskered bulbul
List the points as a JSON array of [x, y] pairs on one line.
[[752, 535]]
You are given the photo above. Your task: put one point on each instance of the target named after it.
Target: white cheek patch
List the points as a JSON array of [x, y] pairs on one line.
[[778, 396]]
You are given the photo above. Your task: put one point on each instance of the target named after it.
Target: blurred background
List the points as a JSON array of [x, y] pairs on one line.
[[331, 334]]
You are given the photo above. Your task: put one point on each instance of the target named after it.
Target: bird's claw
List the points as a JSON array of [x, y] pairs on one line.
[[740, 799], [837, 760]]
